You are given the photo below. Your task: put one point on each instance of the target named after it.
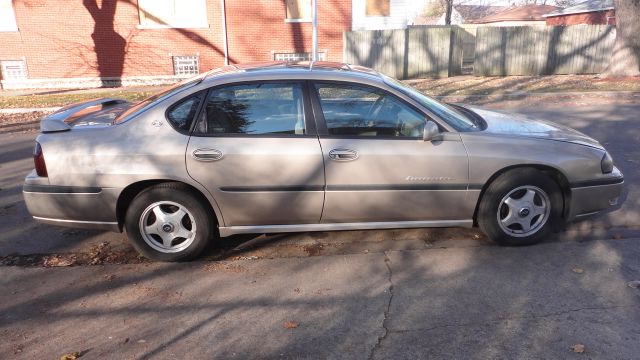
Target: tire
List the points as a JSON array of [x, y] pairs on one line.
[[167, 222], [520, 207]]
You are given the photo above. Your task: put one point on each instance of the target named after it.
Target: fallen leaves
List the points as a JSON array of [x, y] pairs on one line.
[[577, 270], [577, 348], [60, 261], [290, 325], [70, 356], [634, 284]]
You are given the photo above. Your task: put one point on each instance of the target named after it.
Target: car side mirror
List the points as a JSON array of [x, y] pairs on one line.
[[430, 131]]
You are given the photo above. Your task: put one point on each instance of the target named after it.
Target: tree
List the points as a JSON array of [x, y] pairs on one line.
[[625, 60]]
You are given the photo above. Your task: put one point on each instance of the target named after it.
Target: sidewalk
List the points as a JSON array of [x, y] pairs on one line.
[[482, 302]]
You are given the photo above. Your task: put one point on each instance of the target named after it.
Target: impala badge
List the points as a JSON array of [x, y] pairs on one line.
[[156, 123]]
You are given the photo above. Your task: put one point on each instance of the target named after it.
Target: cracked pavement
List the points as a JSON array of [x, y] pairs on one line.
[[474, 302]]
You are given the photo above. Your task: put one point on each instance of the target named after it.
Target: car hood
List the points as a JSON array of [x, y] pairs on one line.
[[521, 125]]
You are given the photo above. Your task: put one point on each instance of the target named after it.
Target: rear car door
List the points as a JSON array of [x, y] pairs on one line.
[[377, 166], [254, 147]]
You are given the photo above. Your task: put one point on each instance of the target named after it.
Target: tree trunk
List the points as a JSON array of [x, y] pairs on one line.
[[625, 60], [447, 16]]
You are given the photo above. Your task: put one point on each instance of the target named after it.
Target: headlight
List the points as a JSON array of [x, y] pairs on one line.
[[607, 163]]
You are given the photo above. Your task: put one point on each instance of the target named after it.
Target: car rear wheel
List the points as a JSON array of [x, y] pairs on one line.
[[166, 222], [520, 207]]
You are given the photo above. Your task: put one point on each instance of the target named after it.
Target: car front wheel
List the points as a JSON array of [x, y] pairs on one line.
[[166, 222], [520, 207]]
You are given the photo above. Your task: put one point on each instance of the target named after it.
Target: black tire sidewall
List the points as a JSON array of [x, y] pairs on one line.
[[500, 187], [177, 194]]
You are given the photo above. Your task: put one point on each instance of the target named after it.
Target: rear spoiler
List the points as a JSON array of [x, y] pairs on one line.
[[59, 120]]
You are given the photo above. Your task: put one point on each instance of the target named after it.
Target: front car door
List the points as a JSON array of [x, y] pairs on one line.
[[255, 149], [378, 168]]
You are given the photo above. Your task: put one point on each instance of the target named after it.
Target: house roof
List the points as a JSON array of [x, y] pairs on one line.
[[474, 12], [469, 13], [519, 13], [583, 7]]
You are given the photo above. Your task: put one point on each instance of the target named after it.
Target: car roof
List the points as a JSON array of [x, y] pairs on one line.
[[290, 69]]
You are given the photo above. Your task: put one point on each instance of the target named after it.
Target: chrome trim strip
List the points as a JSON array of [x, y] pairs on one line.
[[257, 229], [76, 221]]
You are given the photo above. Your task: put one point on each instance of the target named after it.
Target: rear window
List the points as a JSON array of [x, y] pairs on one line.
[[146, 103]]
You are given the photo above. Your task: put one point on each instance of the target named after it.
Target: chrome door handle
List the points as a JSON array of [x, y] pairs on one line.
[[343, 154], [207, 154]]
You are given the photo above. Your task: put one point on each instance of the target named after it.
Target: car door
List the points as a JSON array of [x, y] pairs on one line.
[[253, 149], [377, 166]]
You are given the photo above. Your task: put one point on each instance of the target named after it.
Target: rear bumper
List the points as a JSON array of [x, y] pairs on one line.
[[591, 198], [70, 206]]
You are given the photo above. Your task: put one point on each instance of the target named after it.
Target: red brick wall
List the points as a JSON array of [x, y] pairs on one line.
[[63, 38], [592, 18]]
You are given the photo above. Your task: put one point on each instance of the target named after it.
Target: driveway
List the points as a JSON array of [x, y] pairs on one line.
[[446, 293]]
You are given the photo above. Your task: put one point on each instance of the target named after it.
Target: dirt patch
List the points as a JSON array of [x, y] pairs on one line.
[[98, 254]]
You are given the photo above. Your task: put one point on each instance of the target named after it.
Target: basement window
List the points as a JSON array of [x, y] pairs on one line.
[[186, 65], [13, 70], [7, 16], [172, 14], [304, 56]]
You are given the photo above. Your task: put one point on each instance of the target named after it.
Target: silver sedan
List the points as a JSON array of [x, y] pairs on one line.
[[286, 147]]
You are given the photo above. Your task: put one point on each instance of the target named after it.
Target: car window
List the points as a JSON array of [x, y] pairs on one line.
[[360, 110], [254, 109], [452, 116], [181, 114]]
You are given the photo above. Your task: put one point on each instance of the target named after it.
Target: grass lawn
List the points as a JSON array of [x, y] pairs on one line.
[[459, 86]]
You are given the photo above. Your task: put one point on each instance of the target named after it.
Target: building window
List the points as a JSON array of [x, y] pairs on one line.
[[7, 16], [298, 11], [186, 65], [378, 8], [13, 70], [305, 56], [173, 13]]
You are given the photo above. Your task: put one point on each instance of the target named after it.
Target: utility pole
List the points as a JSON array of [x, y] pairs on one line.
[[314, 33]]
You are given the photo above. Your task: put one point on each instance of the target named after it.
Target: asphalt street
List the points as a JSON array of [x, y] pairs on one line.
[[420, 293]]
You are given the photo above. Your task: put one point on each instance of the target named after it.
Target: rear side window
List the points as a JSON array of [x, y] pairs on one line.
[[254, 109], [181, 114]]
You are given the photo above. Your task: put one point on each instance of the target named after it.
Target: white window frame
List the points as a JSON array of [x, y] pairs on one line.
[[322, 55], [11, 26], [201, 23], [300, 20]]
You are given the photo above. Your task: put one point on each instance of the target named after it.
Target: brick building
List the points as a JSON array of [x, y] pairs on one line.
[[591, 12], [59, 43]]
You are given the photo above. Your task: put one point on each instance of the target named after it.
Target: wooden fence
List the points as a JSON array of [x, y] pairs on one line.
[[542, 50], [420, 51]]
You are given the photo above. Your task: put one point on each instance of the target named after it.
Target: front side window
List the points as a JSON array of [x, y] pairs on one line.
[[359, 110], [173, 13], [254, 109], [453, 117], [7, 16], [298, 10]]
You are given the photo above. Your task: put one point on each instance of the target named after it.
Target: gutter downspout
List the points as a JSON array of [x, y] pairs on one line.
[[224, 32]]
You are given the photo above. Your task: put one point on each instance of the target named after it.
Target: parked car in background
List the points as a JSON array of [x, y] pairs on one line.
[[288, 147]]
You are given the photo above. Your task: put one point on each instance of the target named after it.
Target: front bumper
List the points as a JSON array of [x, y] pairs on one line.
[[591, 197], [71, 206]]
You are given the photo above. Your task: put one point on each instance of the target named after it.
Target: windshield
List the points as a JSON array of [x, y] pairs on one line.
[[453, 117], [157, 97]]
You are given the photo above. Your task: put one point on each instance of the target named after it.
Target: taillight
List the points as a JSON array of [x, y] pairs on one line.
[[38, 159]]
